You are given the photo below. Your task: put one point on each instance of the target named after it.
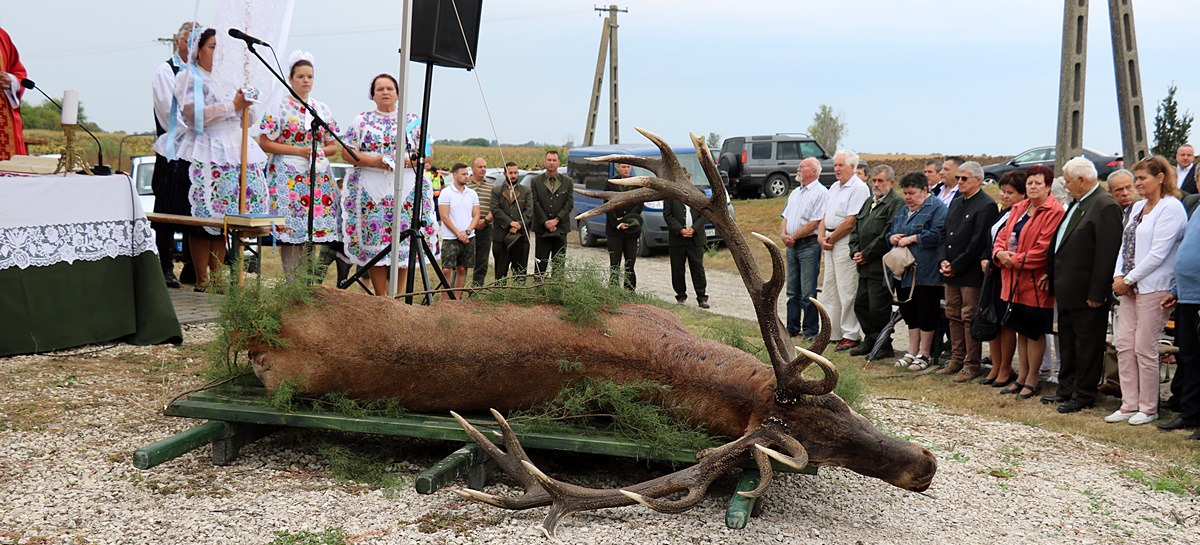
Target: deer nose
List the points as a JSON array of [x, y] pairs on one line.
[[922, 475]]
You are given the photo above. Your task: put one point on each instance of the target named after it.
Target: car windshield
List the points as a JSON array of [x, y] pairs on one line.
[[690, 162], [144, 173]]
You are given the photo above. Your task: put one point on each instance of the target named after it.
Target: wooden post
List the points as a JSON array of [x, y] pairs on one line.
[[237, 246]]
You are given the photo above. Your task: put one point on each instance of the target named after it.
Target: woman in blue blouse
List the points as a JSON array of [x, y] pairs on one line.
[[917, 227]]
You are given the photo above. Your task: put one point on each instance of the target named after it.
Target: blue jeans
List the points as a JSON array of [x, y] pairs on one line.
[[803, 263]]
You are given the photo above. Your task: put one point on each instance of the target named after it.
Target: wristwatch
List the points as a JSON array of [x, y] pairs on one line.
[[1127, 281]]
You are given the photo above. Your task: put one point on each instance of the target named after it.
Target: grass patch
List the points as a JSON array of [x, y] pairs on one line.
[[374, 470], [329, 536]]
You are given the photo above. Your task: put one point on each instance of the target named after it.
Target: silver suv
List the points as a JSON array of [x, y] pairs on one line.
[[765, 165]]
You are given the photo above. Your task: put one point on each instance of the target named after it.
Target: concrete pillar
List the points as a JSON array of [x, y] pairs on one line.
[[1129, 81], [614, 128], [1069, 138]]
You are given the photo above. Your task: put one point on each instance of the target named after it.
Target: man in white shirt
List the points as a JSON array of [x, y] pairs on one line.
[[1185, 159], [169, 180], [949, 181], [459, 209], [842, 203], [801, 218]]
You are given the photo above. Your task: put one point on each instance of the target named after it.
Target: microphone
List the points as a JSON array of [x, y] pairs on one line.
[[250, 40], [100, 169]]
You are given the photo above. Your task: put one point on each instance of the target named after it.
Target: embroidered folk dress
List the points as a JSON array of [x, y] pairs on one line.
[[287, 122], [368, 198], [215, 153]]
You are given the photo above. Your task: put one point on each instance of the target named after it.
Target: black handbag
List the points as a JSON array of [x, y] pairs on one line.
[[1022, 319], [986, 325]]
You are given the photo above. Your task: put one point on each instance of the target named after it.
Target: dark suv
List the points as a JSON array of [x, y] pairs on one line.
[[765, 165]]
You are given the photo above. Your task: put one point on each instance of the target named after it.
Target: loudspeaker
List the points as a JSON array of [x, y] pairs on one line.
[[437, 37]]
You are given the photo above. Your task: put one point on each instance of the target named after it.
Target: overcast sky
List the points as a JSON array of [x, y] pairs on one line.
[[918, 76]]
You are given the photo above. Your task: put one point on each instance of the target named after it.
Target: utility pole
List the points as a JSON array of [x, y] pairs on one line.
[[1069, 141], [608, 51]]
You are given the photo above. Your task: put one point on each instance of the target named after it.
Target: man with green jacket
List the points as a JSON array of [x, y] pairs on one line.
[[623, 227], [553, 203], [512, 215], [873, 303], [686, 243]]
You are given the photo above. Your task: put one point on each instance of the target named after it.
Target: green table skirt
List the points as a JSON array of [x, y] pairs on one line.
[[71, 304]]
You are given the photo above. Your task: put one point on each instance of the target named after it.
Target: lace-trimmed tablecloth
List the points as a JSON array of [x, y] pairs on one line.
[[51, 219]]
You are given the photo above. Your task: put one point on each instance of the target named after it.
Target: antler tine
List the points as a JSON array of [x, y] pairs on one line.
[[774, 285], [617, 199], [766, 474], [652, 164], [670, 162], [801, 385], [822, 339], [510, 462], [719, 194]]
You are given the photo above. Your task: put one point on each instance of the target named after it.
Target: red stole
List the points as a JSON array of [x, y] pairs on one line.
[[11, 140]]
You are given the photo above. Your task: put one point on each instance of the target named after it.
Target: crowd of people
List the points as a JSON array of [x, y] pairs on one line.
[[198, 116], [1059, 257], [1051, 258]]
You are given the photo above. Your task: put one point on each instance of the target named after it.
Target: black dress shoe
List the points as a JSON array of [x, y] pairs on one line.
[[172, 282], [1178, 423], [1074, 406], [1002, 383], [987, 381], [1056, 398]]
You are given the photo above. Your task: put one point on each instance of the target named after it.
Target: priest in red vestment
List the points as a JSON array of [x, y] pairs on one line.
[[11, 74]]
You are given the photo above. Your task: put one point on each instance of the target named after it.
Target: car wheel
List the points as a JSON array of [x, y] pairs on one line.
[[644, 249], [775, 186], [988, 180], [586, 238]]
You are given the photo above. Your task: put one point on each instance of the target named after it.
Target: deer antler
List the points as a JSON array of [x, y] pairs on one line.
[[564, 498], [672, 181]]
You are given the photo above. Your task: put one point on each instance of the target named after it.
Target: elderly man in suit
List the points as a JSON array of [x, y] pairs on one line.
[[1084, 248], [968, 222], [868, 244], [686, 242]]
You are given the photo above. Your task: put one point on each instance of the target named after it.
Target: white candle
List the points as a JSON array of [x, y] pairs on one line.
[[70, 107]]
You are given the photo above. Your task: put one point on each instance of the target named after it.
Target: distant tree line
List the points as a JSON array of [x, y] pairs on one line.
[[47, 116]]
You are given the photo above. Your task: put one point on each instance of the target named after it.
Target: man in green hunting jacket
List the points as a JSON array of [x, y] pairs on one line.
[[553, 203], [873, 303]]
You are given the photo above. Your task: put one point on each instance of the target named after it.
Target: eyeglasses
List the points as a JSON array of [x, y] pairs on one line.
[[962, 178]]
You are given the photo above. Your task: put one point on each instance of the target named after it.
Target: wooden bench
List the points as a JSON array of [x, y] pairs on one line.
[[240, 413], [232, 225]]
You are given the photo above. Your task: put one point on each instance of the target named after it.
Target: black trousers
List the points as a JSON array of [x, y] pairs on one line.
[[1186, 383], [170, 185], [1081, 335], [515, 257], [547, 248], [623, 246], [482, 251], [693, 258], [872, 306]]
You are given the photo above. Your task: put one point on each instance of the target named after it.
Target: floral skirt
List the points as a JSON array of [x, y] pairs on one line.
[[215, 190], [368, 220], [289, 189]]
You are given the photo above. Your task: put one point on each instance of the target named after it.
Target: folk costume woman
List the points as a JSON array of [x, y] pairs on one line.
[[285, 133], [212, 142], [368, 199]]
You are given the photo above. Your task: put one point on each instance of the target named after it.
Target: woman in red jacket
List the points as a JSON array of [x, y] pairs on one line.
[[1022, 251]]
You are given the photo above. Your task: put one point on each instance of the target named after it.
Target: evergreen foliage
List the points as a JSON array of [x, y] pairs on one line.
[[599, 405], [1171, 128], [582, 290]]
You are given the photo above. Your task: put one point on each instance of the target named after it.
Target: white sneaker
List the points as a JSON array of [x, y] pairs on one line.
[[1118, 416], [1142, 418]]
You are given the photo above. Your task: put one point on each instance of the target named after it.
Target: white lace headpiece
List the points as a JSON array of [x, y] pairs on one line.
[[300, 55]]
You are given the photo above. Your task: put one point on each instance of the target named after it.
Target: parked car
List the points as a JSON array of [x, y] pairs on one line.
[[496, 175], [765, 165], [1105, 164], [591, 175]]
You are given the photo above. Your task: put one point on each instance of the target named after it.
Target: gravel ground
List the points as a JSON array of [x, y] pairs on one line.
[[66, 477]]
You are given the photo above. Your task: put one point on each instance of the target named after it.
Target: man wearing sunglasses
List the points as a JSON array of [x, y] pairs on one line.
[[967, 231]]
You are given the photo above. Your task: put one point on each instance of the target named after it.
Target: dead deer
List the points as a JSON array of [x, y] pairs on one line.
[[471, 356]]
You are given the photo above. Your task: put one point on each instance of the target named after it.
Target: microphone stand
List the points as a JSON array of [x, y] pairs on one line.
[[317, 123], [100, 169]]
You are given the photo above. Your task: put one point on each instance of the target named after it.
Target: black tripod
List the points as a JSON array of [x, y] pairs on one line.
[[316, 124], [416, 256]]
